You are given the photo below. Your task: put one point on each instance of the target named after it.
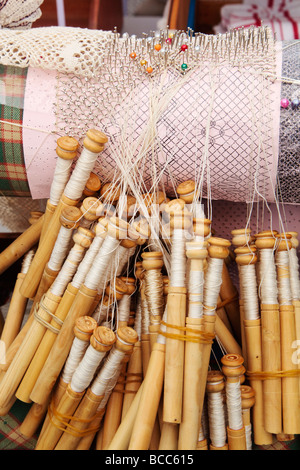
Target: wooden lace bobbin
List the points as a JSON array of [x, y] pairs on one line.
[[66, 151], [295, 282], [69, 219], [203, 435], [91, 209], [153, 264], [290, 385], [216, 413], [270, 330], [92, 406], [246, 258], [101, 341], [233, 369], [218, 249], [81, 305], [83, 330], [196, 252], [82, 240], [248, 401], [92, 185], [17, 306], [186, 191], [150, 397], [93, 144], [176, 308], [145, 335], [21, 245], [124, 305]]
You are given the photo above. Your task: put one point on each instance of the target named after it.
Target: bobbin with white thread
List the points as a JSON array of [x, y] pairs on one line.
[[101, 341], [246, 258], [197, 253], [81, 305], [82, 240], [233, 369], [180, 222], [91, 209], [186, 191], [145, 335], [92, 186], [290, 385], [266, 241], [248, 401], [216, 413], [96, 396], [93, 144], [218, 250]]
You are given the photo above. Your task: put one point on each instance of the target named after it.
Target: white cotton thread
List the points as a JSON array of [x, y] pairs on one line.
[[101, 312], [86, 369], [161, 338], [75, 356], [60, 178], [178, 259], [268, 279], [248, 433], [212, 284], [216, 417], [107, 372], [28, 257], [234, 405], [98, 271], [195, 294], [60, 249], [248, 286], [87, 262], [80, 174], [294, 274], [67, 271], [283, 278]]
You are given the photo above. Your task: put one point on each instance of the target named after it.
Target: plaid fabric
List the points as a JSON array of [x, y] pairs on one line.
[[10, 437], [13, 178]]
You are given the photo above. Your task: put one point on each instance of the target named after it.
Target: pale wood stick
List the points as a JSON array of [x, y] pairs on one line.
[[32, 421], [93, 403], [93, 145], [246, 258], [233, 369], [133, 376], [229, 291], [17, 306], [248, 401], [169, 437], [270, 327], [21, 245], [290, 385]]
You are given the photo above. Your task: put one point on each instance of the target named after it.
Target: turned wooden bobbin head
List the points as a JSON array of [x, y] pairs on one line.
[[130, 206], [102, 338], [117, 228], [201, 227], [284, 242], [100, 228], [67, 147], [131, 319], [242, 237], [110, 192], [139, 270], [116, 289], [91, 208], [294, 239], [266, 239], [218, 247], [130, 283], [70, 217], [84, 327], [174, 206], [196, 250], [126, 339], [139, 231], [186, 191], [159, 197], [215, 381], [152, 260], [246, 255], [83, 237], [34, 216], [92, 185], [248, 397], [166, 283], [233, 367], [95, 140], [181, 220]]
